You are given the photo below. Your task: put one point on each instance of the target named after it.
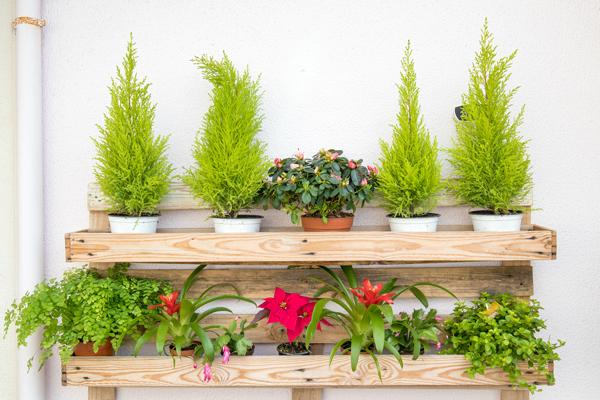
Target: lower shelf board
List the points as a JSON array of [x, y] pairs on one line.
[[284, 371]]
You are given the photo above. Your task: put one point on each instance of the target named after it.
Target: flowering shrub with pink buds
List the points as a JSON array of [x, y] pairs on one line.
[[325, 185]]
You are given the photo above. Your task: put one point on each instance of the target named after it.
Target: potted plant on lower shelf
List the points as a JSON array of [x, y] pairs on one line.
[[232, 339], [132, 167], [489, 157], [84, 313], [231, 164], [294, 312], [324, 190], [410, 176], [363, 312], [500, 332], [180, 322], [414, 333]]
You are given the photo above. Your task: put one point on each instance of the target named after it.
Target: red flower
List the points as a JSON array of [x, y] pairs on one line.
[[369, 294], [283, 307], [169, 303], [304, 316], [351, 164], [373, 169], [277, 162]]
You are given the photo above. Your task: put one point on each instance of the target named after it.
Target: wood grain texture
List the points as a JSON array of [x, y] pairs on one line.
[[513, 394], [102, 393], [464, 282], [281, 371], [180, 198], [307, 394], [282, 247]]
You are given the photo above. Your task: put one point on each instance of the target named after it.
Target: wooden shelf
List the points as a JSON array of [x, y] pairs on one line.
[[296, 247], [284, 371]]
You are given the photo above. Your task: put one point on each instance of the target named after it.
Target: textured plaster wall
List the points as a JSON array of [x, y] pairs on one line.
[[8, 253], [328, 72]]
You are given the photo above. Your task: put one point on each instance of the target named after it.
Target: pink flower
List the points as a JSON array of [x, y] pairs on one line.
[[334, 156], [283, 307], [438, 345], [351, 164], [299, 155], [364, 182], [195, 365], [226, 354], [438, 318], [207, 373], [277, 162], [373, 169]]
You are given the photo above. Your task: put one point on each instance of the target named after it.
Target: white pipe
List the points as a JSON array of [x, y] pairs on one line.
[[30, 178]]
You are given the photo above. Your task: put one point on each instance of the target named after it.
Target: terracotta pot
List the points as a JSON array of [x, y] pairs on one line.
[[86, 349], [185, 352], [334, 224]]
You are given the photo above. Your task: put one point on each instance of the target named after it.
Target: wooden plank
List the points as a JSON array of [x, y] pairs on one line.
[[466, 281], [180, 198], [307, 394], [283, 247], [285, 371], [513, 394], [102, 393]]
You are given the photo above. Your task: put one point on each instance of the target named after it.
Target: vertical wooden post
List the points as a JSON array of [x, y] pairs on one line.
[[307, 394], [512, 394], [99, 223]]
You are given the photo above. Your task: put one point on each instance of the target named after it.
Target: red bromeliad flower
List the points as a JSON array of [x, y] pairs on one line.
[[369, 294], [169, 303], [283, 307]]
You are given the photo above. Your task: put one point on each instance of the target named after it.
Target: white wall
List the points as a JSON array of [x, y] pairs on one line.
[[328, 72], [8, 253]]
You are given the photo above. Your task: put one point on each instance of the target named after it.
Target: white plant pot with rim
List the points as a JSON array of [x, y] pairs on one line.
[[487, 221], [240, 224], [127, 224], [425, 223]]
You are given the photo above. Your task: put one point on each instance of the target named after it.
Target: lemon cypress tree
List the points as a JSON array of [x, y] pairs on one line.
[[231, 164], [410, 176], [489, 157], [132, 168]]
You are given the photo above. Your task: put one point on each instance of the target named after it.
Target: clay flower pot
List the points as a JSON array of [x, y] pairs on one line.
[[334, 224], [185, 352], [86, 349]]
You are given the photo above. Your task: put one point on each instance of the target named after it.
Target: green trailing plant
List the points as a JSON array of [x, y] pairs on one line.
[[413, 333], [179, 320], [410, 176], [231, 164], [82, 306], [489, 157], [500, 332], [234, 337], [131, 163], [362, 311], [326, 185]]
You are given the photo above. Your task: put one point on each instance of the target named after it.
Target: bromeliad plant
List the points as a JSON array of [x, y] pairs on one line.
[[414, 333], [365, 312], [324, 186], [84, 307], [179, 321], [500, 332]]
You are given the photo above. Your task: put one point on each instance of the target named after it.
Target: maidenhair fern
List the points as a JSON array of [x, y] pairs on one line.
[[410, 175], [132, 167], [489, 156], [231, 164]]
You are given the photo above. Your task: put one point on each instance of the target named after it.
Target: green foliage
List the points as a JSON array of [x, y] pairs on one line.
[[236, 338], [413, 333], [326, 185], [179, 320], [230, 161], [489, 156], [410, 171], [83, 307], [363, 312], [132, 167], [499, 332]]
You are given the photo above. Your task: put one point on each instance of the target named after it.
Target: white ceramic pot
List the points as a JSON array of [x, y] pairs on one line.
[[122, 224], [485, 221], [427, 223], [241, 224]]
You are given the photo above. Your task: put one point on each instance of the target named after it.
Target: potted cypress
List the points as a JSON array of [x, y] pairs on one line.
[[132, 167], [410, 176], [231, 164], [83, 313], [489, 156]]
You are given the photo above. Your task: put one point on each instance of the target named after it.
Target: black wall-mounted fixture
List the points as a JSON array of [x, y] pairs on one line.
[[458, 110]]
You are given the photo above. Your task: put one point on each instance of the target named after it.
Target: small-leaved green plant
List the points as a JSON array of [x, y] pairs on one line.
[[410, 176], [82, 306], [231, 163], [489, 157], [500, 332], [132, 167]]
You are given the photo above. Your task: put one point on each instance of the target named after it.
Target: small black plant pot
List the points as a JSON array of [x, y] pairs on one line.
[[293, 349]]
